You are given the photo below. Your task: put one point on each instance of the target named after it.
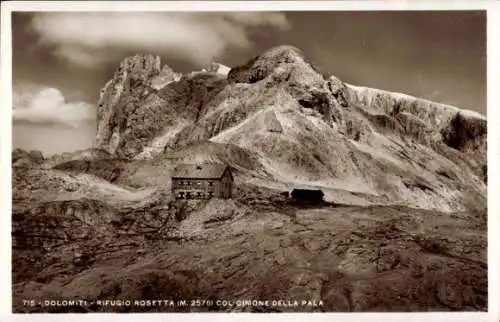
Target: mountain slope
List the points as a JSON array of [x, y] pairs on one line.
[[306, 129]]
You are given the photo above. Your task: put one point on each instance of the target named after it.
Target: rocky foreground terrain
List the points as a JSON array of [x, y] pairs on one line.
[[402, 228]]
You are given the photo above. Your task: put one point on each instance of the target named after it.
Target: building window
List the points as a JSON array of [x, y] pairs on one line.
[[210, 183]]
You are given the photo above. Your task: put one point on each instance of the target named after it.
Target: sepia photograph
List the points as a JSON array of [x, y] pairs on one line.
[[249, 161]]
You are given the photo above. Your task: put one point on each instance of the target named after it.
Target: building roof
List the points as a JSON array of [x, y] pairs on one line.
[[200, 171]]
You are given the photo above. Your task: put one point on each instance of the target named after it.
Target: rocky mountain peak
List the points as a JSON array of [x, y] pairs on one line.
[[129, 83], [283, 53], [277, 60], [140, 64]]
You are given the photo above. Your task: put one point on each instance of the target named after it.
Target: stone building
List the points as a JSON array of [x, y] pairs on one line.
[[202, 181]]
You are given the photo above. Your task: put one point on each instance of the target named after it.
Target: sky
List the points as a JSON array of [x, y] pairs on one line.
[[62, 60]]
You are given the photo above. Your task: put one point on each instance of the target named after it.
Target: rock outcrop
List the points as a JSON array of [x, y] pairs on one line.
[[135, 114], [22, 158]]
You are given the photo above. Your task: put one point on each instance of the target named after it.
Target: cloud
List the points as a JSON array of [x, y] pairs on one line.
[[37, 104], [91, 38]]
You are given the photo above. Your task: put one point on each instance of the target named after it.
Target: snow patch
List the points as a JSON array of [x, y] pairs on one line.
[[370, 94], [158, 82], [219, 68]]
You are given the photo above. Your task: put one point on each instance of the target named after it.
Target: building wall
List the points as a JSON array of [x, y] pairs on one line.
[[197, 188], [201, 188], [226, 185]]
